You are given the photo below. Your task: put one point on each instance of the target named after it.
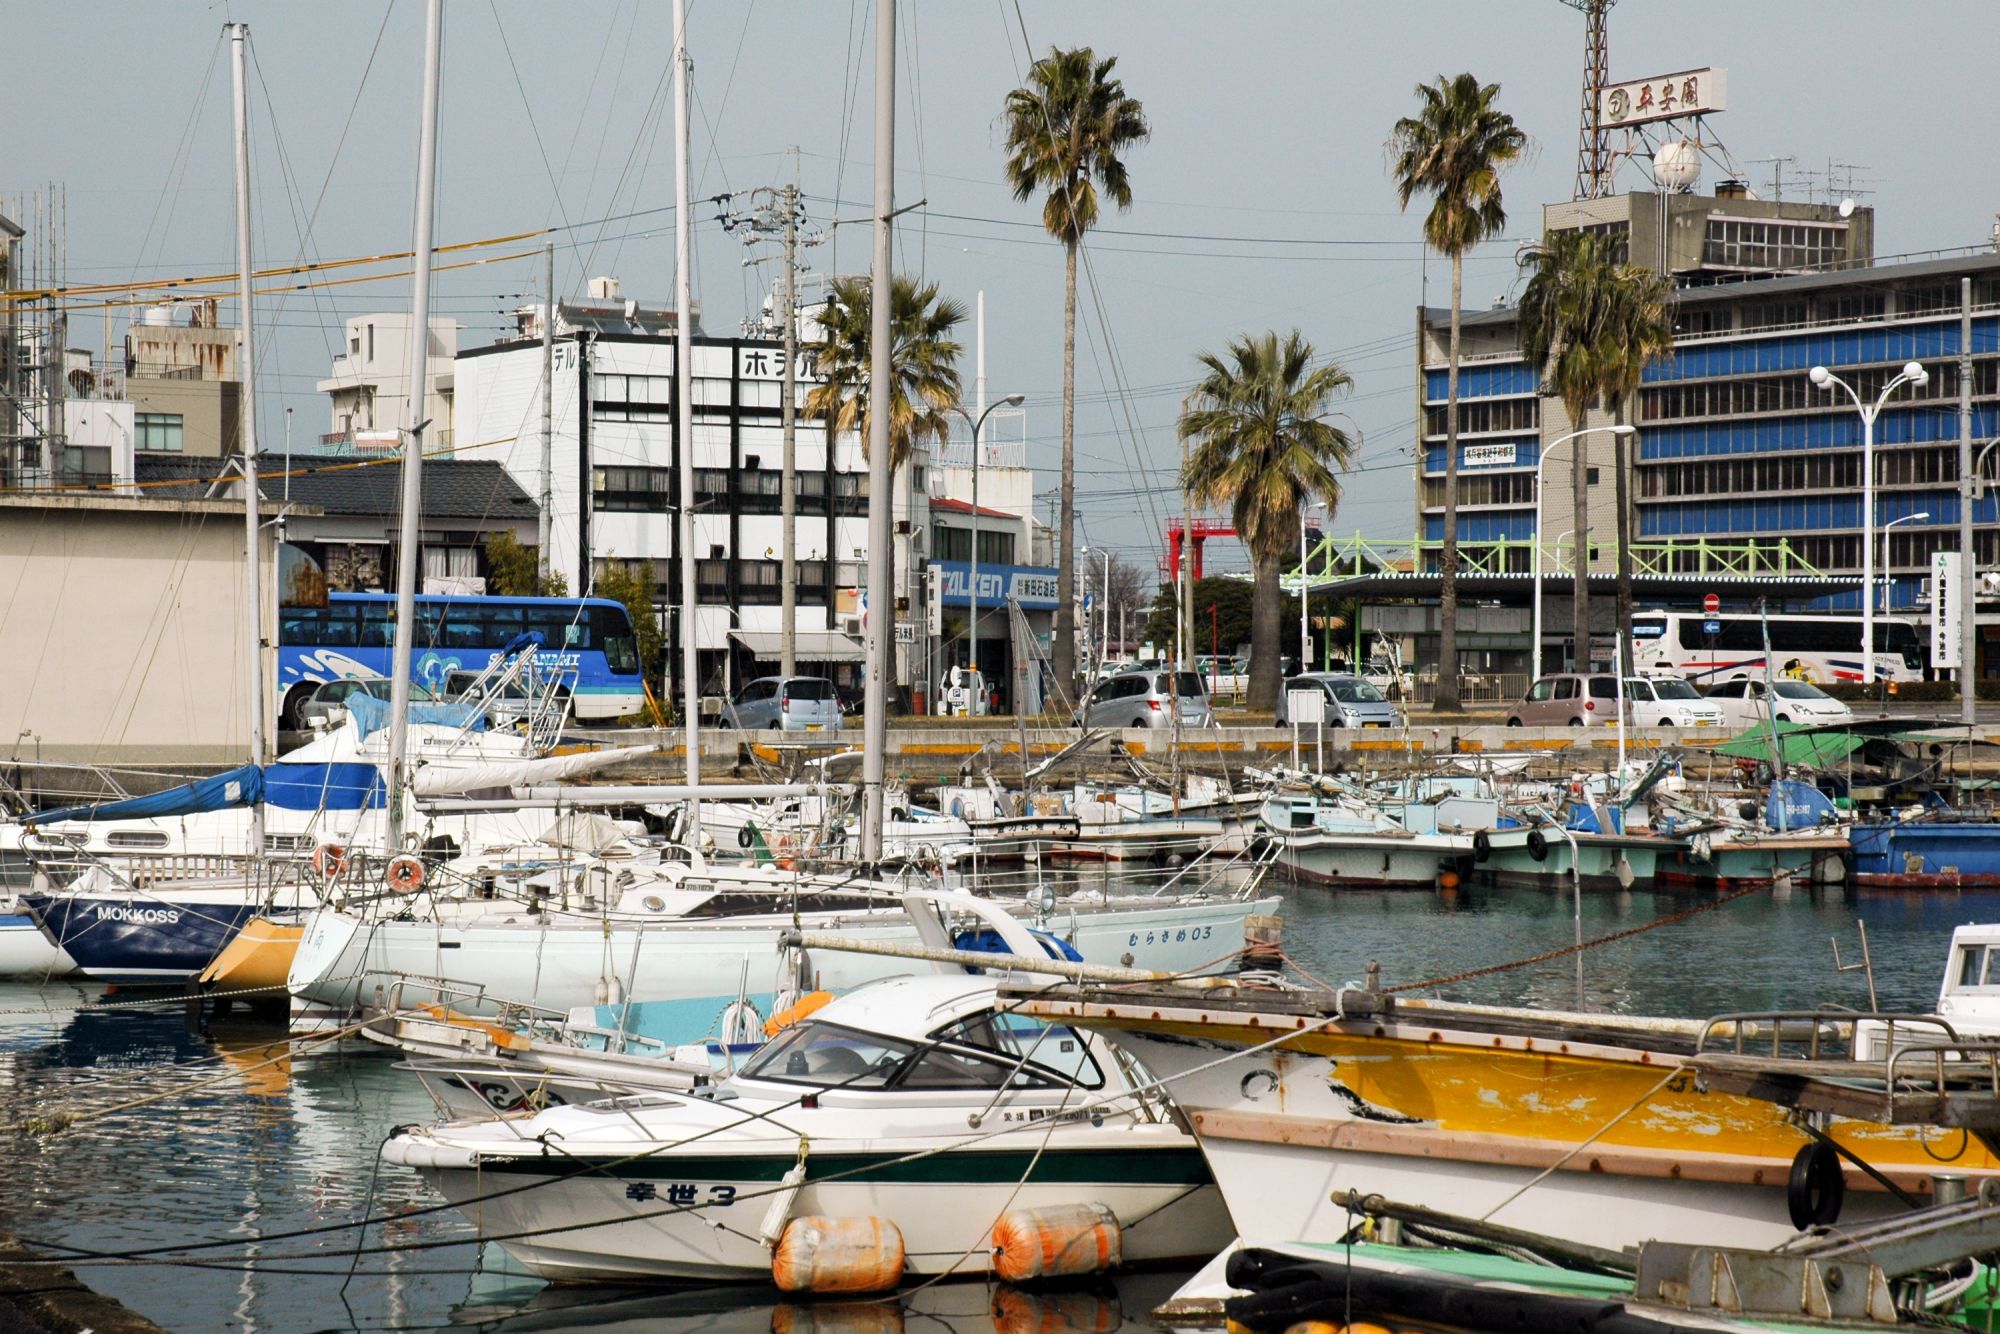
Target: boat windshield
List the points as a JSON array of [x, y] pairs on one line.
[[1049, 1048], [827, 1054]]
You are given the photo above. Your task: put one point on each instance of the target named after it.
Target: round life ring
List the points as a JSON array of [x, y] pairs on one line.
[[1482, 846], [329, 860], [1538, 845], [405, 874], [1817, 1187]]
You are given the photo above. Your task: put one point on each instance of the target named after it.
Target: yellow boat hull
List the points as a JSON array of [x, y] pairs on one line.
[[256, 962]]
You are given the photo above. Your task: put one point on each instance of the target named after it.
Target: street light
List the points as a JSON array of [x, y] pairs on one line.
[[1305, 589], [1823, 378], [972, 581], [1888, 579], [1582, 555]]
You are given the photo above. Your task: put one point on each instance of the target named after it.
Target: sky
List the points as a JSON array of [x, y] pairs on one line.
[[1262, 200]]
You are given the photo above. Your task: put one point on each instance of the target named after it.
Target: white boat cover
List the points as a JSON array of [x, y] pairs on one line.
[[437, 780]]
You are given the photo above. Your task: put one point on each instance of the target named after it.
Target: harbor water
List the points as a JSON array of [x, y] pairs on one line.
[[137, 1127]]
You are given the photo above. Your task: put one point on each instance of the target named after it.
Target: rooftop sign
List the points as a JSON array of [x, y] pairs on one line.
[[1692, 92]]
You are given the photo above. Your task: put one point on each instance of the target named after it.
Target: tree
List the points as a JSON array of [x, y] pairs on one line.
[[512, 570], [923, 360], [633, 586], [1594, 326], [1260, 445], [1224, 610], [1065, 131], [1453, 150]]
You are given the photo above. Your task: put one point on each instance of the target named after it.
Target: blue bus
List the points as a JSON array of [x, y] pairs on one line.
[[587, 643]]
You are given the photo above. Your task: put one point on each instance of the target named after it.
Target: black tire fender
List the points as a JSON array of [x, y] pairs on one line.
[[1817, 1186], [1482, 846], [744, 836], [1538, 845]]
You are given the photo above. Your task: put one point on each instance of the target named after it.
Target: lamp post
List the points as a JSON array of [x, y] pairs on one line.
[[1619, 429], [1912, 373], [1887, 579], [972, 580], [1305, 589]]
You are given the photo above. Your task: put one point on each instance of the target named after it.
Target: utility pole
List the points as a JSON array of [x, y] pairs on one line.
[[544, 527], [684, 422], [776, 212], [1968, 553]]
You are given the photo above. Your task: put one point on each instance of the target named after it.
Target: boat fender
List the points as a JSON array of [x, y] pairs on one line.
[[821, 1254], [405, 874], [1482, 846], [1538, 845], [329, 860], [1817, 1187], [745, 836], [1059, 1241], [958, 808]]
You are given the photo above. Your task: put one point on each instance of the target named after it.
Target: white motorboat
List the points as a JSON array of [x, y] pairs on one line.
[[914, 1102]]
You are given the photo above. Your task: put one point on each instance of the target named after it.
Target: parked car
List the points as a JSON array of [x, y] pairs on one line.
[[1147, 699], [328, 700], [788, 703], [1668, 701], [1568, 699], [1351, 700], [1745, 703]]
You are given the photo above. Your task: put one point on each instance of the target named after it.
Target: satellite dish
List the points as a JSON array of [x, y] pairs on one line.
[[1847, 208], [1676, 165]]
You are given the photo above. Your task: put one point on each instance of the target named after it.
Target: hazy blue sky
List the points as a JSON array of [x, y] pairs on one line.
[[1262, 199]]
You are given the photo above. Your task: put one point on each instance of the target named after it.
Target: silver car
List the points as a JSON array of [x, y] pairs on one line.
[[1351, 701], [788, 703], [1147, 699]]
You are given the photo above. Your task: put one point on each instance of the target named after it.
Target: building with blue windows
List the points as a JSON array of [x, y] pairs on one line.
[[1740, 463]]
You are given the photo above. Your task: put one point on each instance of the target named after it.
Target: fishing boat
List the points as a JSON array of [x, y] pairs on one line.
[[914, 1109], [1425, 833], [1591, 1128]]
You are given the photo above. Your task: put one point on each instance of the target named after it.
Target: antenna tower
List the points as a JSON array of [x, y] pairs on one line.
[[1593, 145]]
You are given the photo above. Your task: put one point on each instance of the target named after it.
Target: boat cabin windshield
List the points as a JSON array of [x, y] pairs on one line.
[[830, 1056]]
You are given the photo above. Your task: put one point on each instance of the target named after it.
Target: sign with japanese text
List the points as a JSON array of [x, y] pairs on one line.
[[1489, 456], [1691, 92], [1945, 574]]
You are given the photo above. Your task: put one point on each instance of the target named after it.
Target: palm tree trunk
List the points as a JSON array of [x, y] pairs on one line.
[[1266, 618], [1064, 655], [1446, 699], [1618, 443], [1580, 561]]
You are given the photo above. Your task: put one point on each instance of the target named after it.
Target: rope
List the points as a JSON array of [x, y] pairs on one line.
[[1567, 950], [1542, 1175]]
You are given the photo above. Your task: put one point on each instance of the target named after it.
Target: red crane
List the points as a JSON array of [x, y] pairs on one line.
[[1184, 531]]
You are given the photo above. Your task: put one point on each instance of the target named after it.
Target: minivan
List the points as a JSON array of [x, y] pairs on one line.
[[1147, 699], [789, 703], [1568, 699]]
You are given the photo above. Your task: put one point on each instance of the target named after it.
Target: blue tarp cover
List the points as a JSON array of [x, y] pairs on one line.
[[371, 715], [344, 786], [238, 787]]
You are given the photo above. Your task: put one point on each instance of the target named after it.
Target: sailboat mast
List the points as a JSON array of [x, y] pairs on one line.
[[881, 544], [239, 36], [407, 555], [684, 420]]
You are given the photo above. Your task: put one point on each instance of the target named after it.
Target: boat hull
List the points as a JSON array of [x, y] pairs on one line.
[[140, 940], [1943, 854], [1597, 859], [945, 1205], [28, 954], [1365, 862]]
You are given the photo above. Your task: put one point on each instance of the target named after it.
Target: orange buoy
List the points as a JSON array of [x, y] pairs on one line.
[[405, 874], [796, 1011], [1061, 1240], [820, 1254], [329, 860], [837, 1318]]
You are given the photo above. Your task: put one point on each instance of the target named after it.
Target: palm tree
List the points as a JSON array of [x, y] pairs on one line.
[[922, 354], [1453, 150], [1594, 326], [1259, 444], [1065, 131]]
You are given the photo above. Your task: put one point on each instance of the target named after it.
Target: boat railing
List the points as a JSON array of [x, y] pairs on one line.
[[157, 872], [1823, 1033]]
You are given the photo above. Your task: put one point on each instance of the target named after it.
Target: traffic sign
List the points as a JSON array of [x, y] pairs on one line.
[[1711, 628], [1711, 604]]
